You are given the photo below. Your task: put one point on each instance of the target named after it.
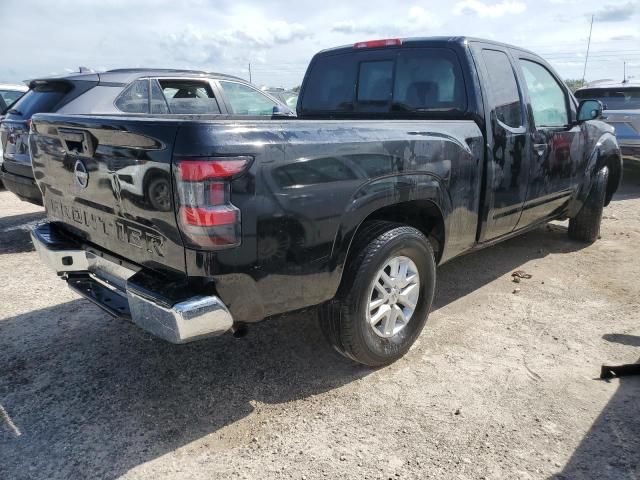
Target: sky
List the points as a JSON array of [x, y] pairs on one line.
[[39, 38]]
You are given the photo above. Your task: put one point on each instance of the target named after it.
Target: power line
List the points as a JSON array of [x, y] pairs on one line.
[[592, 54]]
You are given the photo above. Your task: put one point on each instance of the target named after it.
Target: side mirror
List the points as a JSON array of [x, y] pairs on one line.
[[282, 111], [589, 110]]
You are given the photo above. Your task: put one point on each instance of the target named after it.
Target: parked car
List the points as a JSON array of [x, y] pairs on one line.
[[288, 97], [621, 102], [405, 154], [134, 91], [9, 94]]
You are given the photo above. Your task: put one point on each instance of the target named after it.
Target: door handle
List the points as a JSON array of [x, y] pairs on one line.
[[540, 148]]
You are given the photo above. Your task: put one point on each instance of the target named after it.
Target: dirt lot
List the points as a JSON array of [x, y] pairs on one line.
[[500, 384]]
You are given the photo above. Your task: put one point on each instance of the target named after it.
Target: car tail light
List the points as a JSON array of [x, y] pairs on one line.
[[206, 216], [387, 42]]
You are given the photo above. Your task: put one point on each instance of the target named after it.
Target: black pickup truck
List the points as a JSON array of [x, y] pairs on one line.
[[405, 154]]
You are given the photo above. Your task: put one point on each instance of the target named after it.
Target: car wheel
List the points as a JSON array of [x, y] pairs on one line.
[[585, 226], [159, 194], [385, 296]]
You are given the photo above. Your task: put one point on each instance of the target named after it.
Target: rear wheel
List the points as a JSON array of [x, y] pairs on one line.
[[159, 194], [585, 226], [385, 296]]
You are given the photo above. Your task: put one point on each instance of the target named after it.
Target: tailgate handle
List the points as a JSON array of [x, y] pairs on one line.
[[78, 141]]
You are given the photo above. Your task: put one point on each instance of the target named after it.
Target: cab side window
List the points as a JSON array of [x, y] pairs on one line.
[[503, 88], [547, 97], [189, 97], [158, 102], [245, 100], [135, 98], [164, 96]]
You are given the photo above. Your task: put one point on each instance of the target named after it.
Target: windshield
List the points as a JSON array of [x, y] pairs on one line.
[[613, 99]]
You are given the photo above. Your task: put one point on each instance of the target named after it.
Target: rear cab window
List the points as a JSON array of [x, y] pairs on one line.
[[400, 80]]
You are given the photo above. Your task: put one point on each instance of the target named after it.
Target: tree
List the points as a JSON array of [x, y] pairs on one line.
[[296, 89], [574, 84]]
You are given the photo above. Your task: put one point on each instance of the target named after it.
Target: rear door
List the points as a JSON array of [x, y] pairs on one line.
[[108, 181], [507, 171]]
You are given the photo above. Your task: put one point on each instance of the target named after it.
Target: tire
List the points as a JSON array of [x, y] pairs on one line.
[[585, 226], [159, 194], [349, 322]]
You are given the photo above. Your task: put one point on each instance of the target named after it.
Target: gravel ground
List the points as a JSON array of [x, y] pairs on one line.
[[500, 384]]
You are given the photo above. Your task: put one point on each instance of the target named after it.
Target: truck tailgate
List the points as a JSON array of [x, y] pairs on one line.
[[108, 181]]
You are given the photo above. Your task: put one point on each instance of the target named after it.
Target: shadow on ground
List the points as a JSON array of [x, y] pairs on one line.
[[14, 232], [95, 396], [611, 448], [483, 267]]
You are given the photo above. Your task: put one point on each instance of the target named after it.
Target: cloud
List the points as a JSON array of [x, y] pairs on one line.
[[624, 38], [617, 13], [494, 10], [201, 46], [352, 27], [417, 20]]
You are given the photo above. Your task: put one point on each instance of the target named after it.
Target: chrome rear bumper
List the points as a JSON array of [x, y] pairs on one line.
[[110, 286]]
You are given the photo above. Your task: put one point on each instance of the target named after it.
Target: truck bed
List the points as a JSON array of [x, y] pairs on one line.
[[310, 184]]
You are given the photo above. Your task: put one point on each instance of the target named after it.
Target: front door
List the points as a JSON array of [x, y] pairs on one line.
[[556, 143]]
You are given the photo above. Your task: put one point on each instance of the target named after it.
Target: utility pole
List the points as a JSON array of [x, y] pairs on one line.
[[586, 59], [624, 72], [250, 73]]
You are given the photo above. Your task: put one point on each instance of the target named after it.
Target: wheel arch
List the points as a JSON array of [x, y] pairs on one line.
[[418, 200], [613, 160], [605, 153]]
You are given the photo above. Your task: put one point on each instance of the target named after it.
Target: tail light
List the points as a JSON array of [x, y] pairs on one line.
[[206, 216]]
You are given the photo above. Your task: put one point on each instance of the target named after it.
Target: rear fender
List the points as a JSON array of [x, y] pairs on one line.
[[381, 193]]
